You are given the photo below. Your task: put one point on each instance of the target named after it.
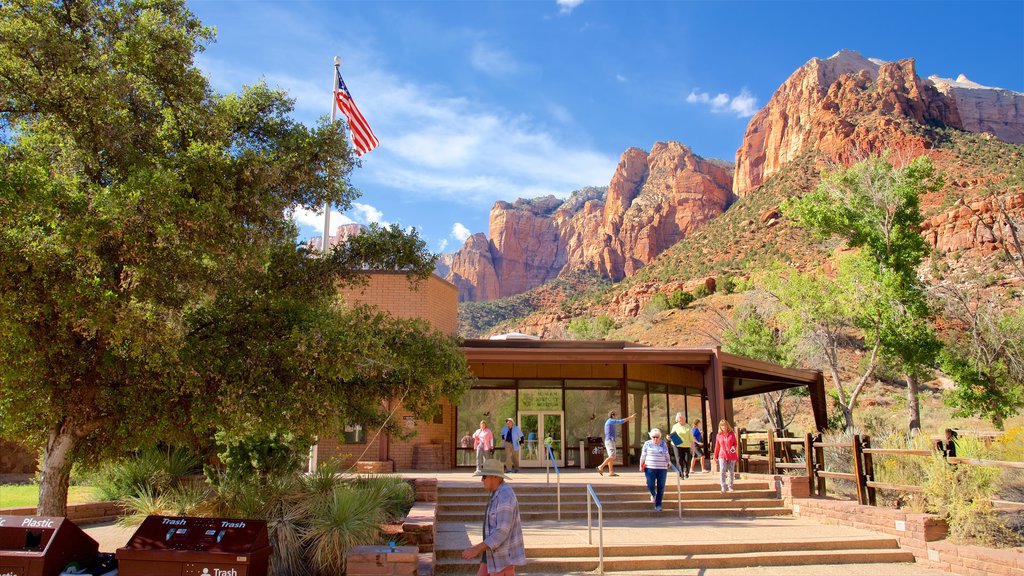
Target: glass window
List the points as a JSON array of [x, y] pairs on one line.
[[637, 404], [693, 409], [658, 402], [353, 434], [586, 411], [540, 399], [676, 403], [593, 384], [491, 406]]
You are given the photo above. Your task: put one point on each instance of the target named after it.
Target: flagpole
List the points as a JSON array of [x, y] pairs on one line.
[[334, 111]]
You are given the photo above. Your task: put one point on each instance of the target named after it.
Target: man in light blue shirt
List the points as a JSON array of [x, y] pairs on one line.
[[609, 442], [503, 547]]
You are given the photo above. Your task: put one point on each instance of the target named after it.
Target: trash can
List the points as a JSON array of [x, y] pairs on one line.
[[595, 451], [42, 545], [185, 546]]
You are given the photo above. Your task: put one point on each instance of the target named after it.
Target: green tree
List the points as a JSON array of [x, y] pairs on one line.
[[753, 334], [984, 356], [594, 328], [150, 284], [875, 206]]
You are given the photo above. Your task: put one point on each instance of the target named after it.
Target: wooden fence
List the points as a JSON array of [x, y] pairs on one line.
[[780, 452]]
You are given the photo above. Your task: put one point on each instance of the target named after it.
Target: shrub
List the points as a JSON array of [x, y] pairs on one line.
[[261, 455], [659, 303], [680, 299], [150, 472], [726, 285], [963, 494], [701, 291]]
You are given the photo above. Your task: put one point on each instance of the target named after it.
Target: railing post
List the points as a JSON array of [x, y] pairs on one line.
[[741, 441], [809, 461], [819, 464], [869, 472], [771, 450], [858, 470]]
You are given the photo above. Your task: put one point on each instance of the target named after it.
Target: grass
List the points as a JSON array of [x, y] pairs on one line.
[[25, 495]]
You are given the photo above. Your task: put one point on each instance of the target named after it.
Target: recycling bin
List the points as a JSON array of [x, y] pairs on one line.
[[595, 451], [42, 545], [186, 546]]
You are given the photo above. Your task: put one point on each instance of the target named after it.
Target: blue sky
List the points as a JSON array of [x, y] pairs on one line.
[[475, 102]]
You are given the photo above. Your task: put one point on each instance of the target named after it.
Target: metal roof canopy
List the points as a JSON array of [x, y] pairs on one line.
[[739, 376]]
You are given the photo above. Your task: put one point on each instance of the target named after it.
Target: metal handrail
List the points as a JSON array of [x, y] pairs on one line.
[[558, 478], [600, 527], [679, 488]]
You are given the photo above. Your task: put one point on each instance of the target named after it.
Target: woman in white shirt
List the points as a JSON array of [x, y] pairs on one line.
[[654, 462]]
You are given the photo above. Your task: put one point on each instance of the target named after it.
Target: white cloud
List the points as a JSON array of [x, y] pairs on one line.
[[442, 245], [567, 6], [315, 219], [367, 214], [493, 62], [743, 105], [460, 232], [621, 78], [437, 145]]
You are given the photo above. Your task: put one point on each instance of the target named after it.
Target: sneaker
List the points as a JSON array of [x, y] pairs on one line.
[[730, 489], [657, 508], [599, 471], [613, 474], [723, 490]]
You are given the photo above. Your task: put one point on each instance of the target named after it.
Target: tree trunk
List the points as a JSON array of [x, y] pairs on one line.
[[848, 417], [913, 404], [56, 472]]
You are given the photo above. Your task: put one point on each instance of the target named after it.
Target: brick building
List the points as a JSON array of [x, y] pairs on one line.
[[560, 391]]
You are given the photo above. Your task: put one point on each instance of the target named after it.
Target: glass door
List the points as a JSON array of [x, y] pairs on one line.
[[542, 429]]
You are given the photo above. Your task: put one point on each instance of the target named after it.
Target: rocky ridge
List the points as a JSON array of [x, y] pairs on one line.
[[848, 106], [654, 199]]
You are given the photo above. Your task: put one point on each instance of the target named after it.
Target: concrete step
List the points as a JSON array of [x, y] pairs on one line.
[[705, 548], [578, 496], [563, 565], [644, 511], [640, 501], [542, 488]]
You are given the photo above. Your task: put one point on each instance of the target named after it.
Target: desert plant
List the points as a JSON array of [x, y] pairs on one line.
[[152, 471], [680, 299], [963, 495], [701, 291], [397, 494], [351, 517]]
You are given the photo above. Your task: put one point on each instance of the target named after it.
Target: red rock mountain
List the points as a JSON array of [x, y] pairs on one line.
[[653, 201], [848, 106]]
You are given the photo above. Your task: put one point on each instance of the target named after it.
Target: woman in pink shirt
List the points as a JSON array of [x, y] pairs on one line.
[[726, 454], [483, 443]]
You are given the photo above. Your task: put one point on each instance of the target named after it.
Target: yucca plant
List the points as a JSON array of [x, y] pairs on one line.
[[352, 517], [396, 493], [152, 471]]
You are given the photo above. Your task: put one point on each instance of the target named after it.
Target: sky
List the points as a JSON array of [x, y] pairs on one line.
[[475, 102]]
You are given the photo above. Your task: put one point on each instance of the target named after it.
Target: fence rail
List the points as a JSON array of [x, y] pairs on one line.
[[782, 452]]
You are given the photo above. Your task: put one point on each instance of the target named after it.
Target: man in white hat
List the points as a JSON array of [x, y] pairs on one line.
[[503, 547]]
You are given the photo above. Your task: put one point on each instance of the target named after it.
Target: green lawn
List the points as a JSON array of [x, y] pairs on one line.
[[24, 495]]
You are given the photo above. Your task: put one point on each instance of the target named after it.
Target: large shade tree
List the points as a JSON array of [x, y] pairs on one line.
[[150, 285]]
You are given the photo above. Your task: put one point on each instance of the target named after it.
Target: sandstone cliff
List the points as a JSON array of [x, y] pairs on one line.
[[653, 201], [848, 106]]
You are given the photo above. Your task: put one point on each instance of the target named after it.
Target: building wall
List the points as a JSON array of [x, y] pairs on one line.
[[434, 300]]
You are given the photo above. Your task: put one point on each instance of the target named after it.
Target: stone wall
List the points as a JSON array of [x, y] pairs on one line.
[[921, 534], [90, 513]]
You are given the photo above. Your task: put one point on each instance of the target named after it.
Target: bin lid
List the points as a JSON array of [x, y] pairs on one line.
[[215, 535]]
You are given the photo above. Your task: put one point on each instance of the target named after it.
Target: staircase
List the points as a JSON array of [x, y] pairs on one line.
[[639, 539], [537, 501]]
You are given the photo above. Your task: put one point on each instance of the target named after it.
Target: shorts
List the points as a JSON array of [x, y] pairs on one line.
[[697, 452], [609, 447]]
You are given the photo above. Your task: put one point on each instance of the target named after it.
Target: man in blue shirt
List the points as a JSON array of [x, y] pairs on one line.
[[609, 442]]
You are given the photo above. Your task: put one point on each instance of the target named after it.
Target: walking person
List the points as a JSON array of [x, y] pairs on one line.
[[513, 438], [483, 443], [726, 454], [682, 442], [609, 442], [503, 547], [654, 462], [698, 448]]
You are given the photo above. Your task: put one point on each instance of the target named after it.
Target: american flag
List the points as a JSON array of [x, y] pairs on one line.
[[362, 135]]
